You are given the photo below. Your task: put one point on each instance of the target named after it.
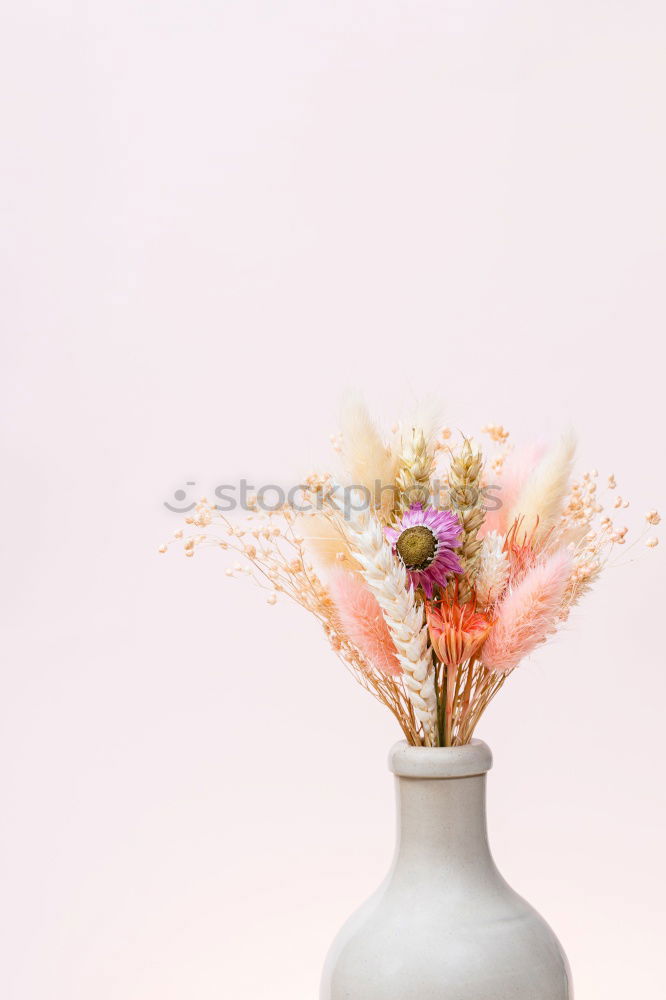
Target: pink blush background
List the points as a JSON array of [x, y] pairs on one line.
[[216, 217]]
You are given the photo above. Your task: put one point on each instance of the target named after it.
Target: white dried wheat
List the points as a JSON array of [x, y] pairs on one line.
[[493, 570], [387, 578]]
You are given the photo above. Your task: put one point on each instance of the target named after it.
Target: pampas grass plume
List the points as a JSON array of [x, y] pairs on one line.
[[528, 614], [517, 469], [427, 416], [361, 620], [544, 492], [327, 546], [366, 458]]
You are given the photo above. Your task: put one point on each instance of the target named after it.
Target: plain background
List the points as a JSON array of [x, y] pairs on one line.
[[217, 215]]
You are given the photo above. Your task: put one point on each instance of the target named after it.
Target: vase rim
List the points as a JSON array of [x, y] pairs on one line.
[[440, 762]]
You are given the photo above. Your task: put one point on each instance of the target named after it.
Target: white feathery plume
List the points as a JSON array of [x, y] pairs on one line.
[[328, 548], [426, 415], [366, 459], [544, 493], [493, 571], [387, 578]]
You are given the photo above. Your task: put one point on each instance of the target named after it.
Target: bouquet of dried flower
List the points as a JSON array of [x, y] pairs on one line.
[[433, 570]]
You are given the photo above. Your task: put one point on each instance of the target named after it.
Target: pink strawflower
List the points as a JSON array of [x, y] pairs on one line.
[[425, 539], [528, 614], [360, 620]]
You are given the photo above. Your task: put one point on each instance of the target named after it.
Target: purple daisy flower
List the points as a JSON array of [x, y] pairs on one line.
[[425, 540]]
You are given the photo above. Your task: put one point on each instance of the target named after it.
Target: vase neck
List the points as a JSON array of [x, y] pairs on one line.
[[441, 797], [442, 823]]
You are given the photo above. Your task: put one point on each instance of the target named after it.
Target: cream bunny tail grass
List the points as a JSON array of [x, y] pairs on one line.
[[542, 498], [387, 579], [327, 547], [360, 619], [366, 458], [528, 613], [511, 482], [427, 415]]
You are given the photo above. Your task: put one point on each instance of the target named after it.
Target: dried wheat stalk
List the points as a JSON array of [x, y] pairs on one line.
[[465, 499], [415, 465]]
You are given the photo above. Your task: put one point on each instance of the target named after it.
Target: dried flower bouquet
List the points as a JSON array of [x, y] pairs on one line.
[[433, 569]]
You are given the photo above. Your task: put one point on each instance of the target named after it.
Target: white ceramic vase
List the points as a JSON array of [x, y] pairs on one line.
[[444, 925]]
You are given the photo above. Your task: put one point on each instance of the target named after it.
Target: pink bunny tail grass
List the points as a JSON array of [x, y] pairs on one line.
[[517, 468], [528, 614], [361, 620]]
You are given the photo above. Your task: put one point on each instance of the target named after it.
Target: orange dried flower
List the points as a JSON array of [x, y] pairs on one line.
[[457, 631]]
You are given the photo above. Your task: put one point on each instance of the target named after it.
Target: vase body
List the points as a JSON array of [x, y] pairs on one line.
[[444, 925]]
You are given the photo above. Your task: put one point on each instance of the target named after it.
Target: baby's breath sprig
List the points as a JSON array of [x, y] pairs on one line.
[[271, 553]]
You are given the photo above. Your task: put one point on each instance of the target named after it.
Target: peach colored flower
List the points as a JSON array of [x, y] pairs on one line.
[[457, 631]]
